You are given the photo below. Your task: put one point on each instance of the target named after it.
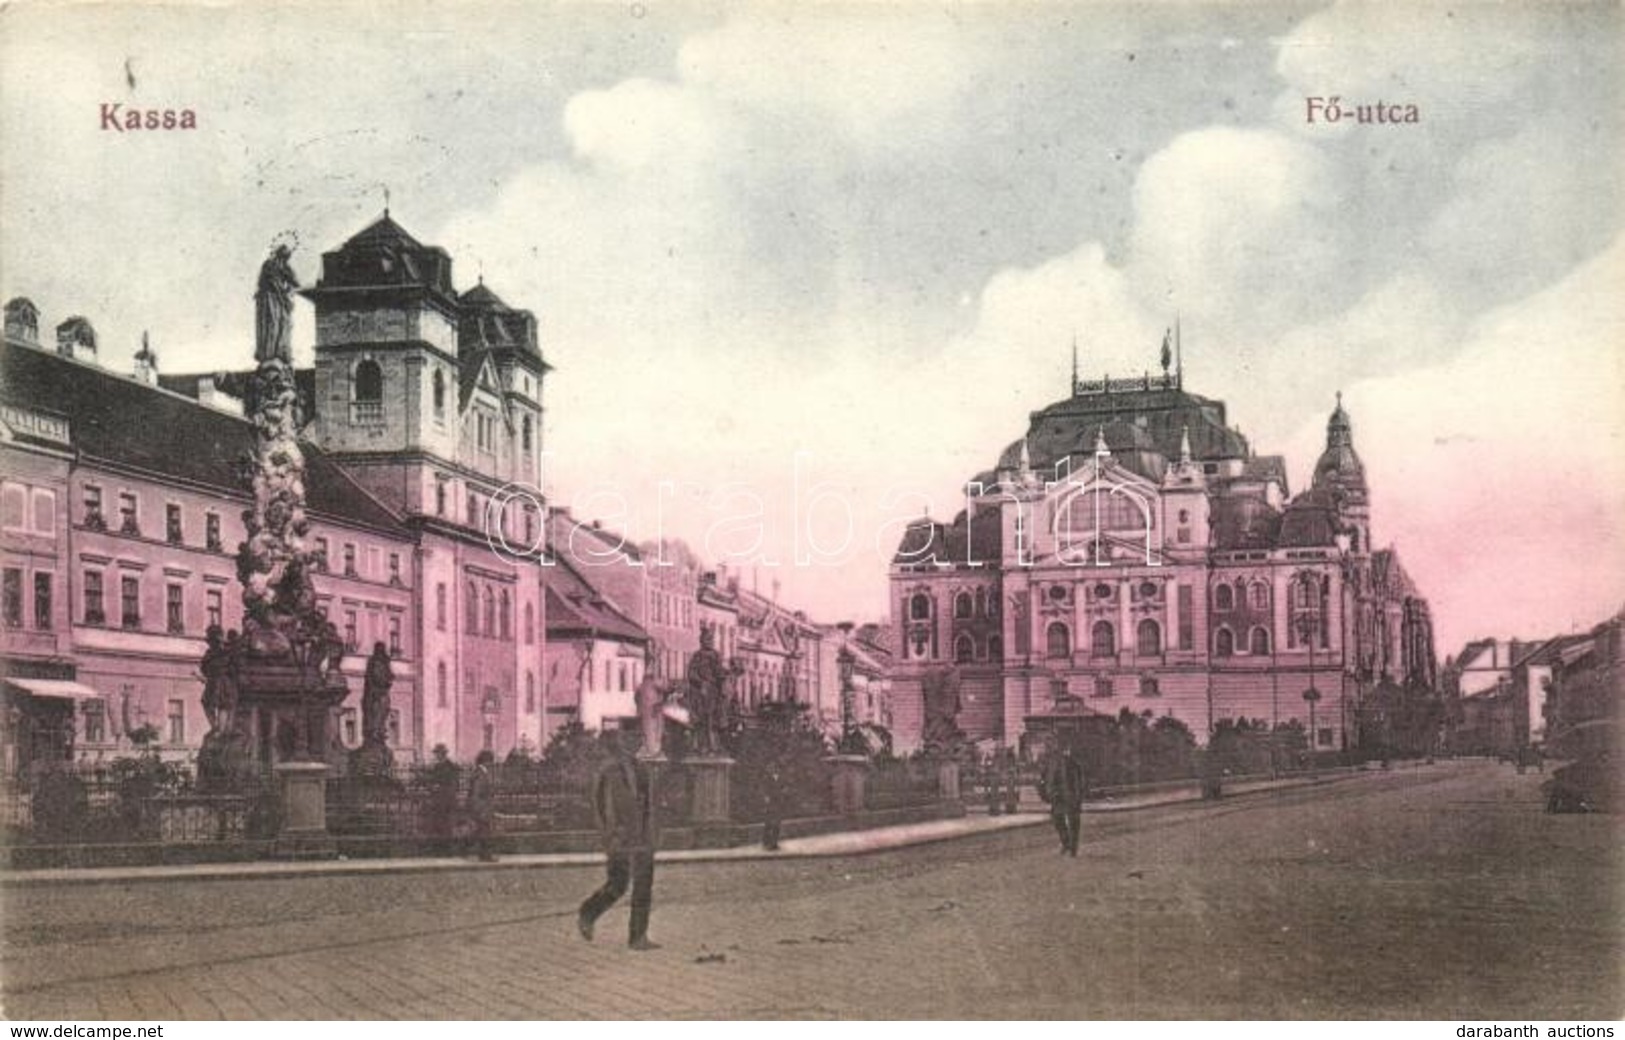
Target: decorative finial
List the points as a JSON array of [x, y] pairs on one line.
[[1074, 363], [1185, 446], [386, 201], [1167, 350], [1026, 458], [1100, 441]]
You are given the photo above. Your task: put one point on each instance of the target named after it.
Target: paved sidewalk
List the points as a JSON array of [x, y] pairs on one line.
[[843, 843]]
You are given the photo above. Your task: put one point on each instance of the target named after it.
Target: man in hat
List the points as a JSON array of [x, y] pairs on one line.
[[623, 802]]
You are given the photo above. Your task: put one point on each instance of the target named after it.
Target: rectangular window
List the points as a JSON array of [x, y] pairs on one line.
[[44, 511], [349, 559], [394, 636], [352, 727], [172, 524], [13, 597], [94, 518], [349, 631], [175, 609], [42, 600], [130, 601], [321, 555], [211, 531], [394, 568], [13, 507], [177, 722], [1187, 622], [211, 600], [129, 519], [440, 607], [95, 611], [95, 722]]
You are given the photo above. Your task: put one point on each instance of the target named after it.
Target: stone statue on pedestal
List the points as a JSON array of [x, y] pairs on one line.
[[706, 696]]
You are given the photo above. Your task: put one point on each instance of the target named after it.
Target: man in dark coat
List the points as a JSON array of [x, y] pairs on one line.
[[623, 802], [1064, 789], [482, 805]]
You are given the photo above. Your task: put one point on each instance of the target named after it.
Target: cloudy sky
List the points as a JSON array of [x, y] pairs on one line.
[[865, 236]]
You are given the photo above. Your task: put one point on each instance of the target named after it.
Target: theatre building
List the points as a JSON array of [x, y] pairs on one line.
[[1132, 551]]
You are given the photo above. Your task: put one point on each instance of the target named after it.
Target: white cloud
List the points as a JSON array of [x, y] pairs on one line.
[[1501, 473]]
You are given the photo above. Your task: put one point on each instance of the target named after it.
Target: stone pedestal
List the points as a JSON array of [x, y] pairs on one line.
[[304, 812], [849, 777], [948, 781], [708, 788]]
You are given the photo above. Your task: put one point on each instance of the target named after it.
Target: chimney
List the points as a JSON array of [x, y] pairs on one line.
[[22, 320]]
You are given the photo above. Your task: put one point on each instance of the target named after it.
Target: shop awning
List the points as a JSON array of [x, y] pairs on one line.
[[62, 689]]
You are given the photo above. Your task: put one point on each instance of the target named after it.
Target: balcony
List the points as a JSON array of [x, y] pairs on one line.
[[366, 413]]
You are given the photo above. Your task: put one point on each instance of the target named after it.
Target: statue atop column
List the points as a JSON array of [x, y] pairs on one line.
[[273, 307], [280, 676]]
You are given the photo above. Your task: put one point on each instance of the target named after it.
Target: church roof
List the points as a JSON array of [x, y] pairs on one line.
[[484, 321], [1310, 521], [384, 257], [123, 422]]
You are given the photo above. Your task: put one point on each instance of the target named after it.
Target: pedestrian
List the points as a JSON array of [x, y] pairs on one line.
[[1011, 782], [481, 804], [623, 803], [1064, 787], [990, 783]]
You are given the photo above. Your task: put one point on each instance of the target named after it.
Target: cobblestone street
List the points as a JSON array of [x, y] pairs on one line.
[[1438, 892]]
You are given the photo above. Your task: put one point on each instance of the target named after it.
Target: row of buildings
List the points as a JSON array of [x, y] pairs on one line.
[[1507, 694], [121, 511]]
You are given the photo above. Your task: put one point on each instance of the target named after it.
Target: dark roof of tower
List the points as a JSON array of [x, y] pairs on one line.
[[484, 321], [977, 541], [124, 422], [1310, 520], [384, 257], [1244, 522]]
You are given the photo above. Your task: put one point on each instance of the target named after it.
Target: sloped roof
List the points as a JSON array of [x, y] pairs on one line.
[[576, 609], [927, 541], [118, 420], [1244, 522]]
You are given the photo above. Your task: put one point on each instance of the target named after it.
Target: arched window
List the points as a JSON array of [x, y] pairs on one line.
[[1223, 598], [1058, 640], [995, 648], [369, 382], [1103, 639], [962, 605], [1259, 641], [1258, 595], [530, 623], [440, 685], [490, 613], [1148, 638], [507, 616], [439, 382], [919, 607], [471, 610], [530, 692], [1224, 643], [964, 649]]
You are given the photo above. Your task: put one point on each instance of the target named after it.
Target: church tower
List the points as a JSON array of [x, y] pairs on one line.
[[1341, 472], [431, 399]]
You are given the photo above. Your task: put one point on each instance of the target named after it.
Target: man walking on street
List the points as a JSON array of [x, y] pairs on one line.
[[623, 802], [1064, 789]]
